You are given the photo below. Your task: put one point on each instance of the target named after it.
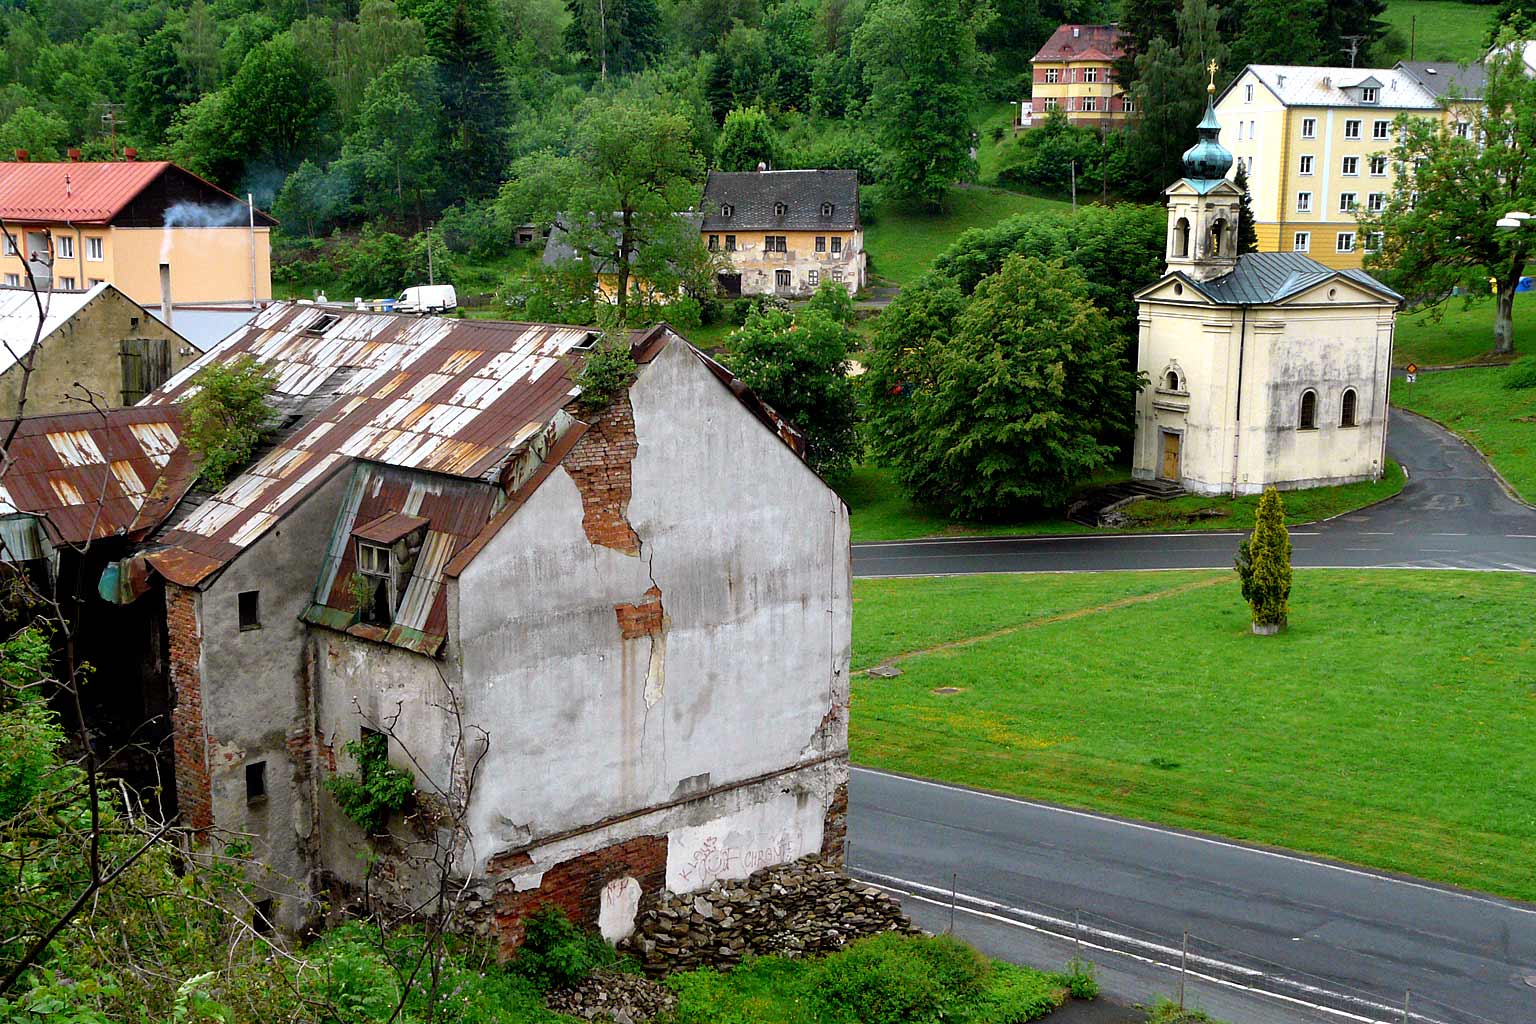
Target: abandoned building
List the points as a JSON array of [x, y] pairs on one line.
[[78, 493], [96, 348], [644, 604], [785, 232]]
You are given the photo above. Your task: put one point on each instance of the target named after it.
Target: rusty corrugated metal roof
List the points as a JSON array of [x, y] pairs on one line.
[[390, 527], [455, 397], [90, 475]]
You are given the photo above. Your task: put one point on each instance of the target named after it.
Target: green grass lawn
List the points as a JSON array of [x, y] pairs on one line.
[[878, 510], [902, 244], [1445, 30], [1463, 335], [1499, 422], [988, 151], [1390, 725]]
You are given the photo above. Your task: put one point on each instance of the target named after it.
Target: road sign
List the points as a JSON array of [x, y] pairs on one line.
[[1411, 372]]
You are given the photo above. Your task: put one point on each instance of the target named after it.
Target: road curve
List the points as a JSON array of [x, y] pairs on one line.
[[1312, 932], [1453, 514]]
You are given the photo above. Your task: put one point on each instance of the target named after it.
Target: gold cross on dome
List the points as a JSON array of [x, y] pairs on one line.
[[1212, 68]]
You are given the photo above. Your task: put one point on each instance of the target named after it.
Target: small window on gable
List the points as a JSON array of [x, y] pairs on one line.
[[250, 609], [255, 781], [1347, 413], [1308, 418], [826, 210], [780, 209]]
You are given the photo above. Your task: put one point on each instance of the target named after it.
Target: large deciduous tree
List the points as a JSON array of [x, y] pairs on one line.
[[278, 103], [1001, 404], [799, 365], [618, 194], [396, 134], [746, 140], [920, 61], [1437, 230]]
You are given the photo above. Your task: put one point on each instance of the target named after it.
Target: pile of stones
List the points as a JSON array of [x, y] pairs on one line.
[[802, 909], [613, 995]]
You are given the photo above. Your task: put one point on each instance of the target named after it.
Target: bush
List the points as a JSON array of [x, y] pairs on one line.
[[1078, 979], [225, 419], [1521, 374], [377, 790], [833, 300], [1264, 564], [609, 368], [893, 979], [476, 229], [557, 954], [1015, 995]]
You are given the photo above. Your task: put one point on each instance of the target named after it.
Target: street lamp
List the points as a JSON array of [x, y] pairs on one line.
[[1513, 221]]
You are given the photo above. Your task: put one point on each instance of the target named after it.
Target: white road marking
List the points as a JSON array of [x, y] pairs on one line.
[[1209, 841], [1074, 932], [1045, 537], [1427, 566], [1522, 536], [1447, 535]]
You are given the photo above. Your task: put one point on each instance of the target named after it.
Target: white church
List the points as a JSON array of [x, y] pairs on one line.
[[1265, 369]]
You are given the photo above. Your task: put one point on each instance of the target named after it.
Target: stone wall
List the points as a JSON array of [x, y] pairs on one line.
[[834, 834]]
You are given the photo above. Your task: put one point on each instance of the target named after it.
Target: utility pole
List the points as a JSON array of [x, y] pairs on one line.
[[602, 29], [1413, 34], [431, 279], [1073, 166], [1353, 47], [1183, 968]]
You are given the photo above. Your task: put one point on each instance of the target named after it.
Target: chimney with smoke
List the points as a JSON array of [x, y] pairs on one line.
[[165, 293], [130, 154]]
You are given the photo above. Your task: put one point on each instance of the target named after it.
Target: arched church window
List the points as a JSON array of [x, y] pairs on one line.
[[1308, 419], [1181, 237], [1172, 380], [1347, 416]]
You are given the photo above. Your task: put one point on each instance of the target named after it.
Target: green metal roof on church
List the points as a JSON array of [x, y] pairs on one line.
[[1262, 278]]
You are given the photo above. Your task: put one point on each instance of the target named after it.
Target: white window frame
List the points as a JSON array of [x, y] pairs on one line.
[[837, 245], [1090, 104], [1303, 202], [1052, 76], [1304, 166], [95, 248], [1302, 242], [1381, 129], [1352, 128], [1127, 104], [1344, 241], [813, 277], [1349, 166], [67, 283], [1368, 94], [1375, 202], [1051, 104], [10, 245], [1090, 74], [1373, 241], [1381, 162], [66, 246], [1248, 93], [1309, 127], [1348, 201], [13, 280], [1463, 129]]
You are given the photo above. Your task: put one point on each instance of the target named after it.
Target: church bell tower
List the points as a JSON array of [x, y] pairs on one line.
[[1203, 206]]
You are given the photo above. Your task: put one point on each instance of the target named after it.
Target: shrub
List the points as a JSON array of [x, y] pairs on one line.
[[557, 954], [225, 419], [1015, 995], [1521, 374], [893, 979], [1264, 565], [1078, 979], [377, 790], [833, 300], [609, 368]]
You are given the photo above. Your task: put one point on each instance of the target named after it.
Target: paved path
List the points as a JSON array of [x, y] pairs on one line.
[[1323, 941], [1452, 515]]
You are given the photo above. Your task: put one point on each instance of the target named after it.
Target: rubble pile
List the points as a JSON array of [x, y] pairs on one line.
[[800, 909], [613, 995]]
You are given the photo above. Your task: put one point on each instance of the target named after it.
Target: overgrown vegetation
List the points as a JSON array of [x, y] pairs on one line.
[[223, 422], [556, 953], [608, 369], [376, 789]]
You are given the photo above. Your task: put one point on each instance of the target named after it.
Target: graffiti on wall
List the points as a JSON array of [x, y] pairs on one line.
[[773, 832]]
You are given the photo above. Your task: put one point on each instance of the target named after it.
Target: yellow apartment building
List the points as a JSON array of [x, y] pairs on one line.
[[1317, 143], [151, 229], [1074, 74]]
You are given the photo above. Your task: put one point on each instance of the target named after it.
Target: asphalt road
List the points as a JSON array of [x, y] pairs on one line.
[[1453, 514], [1273, 936]]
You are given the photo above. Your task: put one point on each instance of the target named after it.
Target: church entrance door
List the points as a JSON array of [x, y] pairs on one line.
[[1170, 469]]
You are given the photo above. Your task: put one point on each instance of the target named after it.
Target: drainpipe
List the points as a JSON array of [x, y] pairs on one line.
[[250, 205], [1237, 437]]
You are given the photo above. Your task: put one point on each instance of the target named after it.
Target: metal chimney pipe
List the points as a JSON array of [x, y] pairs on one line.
[[165, 294]]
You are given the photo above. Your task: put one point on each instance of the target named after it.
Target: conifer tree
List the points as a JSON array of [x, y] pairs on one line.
[[1264, 566], [1247, 234]]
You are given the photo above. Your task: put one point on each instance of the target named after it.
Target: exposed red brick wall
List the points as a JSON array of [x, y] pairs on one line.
[[643, 619], [599, 465], [576, 886], [834, 835], [194, 791]]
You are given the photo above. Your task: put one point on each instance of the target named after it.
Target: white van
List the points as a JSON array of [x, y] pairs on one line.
[[427, 298]]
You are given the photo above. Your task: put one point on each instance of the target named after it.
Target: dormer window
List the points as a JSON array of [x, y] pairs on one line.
[[387, 549], [780, 209], [727, 210], [376, 584], [826, 211], [1368, 94]]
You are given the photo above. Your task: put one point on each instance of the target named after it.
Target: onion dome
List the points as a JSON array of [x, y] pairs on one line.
[[1208, 159]]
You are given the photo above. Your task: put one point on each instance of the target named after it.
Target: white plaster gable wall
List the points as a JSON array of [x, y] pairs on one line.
[[750, 552]]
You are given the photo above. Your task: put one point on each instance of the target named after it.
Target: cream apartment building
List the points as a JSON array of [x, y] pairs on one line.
[[1317, 143]]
